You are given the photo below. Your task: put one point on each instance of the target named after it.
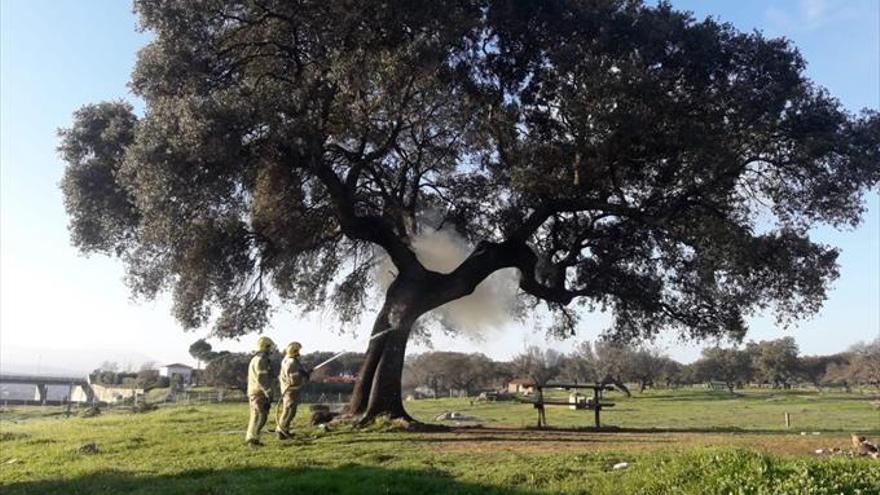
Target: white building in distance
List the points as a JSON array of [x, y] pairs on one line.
[[183, 370]]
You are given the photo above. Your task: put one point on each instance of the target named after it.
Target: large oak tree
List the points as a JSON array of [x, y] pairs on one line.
[[616, 155]]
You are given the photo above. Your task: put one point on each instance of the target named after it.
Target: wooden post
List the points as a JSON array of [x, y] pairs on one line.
[[596, 405], [539, 399], [787, 420]]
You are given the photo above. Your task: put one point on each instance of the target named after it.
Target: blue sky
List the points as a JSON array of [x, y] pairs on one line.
[[68, 311]]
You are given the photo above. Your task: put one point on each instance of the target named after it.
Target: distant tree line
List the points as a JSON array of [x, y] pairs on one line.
[[771, 363], [229, 369], [778, 364], [444, 372], [147, 377]]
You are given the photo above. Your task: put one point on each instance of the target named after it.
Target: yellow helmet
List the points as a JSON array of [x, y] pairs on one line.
[[292, 349], [265, 344]]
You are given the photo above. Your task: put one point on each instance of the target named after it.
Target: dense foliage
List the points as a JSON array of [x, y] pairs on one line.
[[229, 370], [617, 155]]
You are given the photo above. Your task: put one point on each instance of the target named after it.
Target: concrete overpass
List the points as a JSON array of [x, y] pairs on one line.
[[41, 384]]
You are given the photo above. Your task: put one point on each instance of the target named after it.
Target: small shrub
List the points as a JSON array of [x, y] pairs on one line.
[[88, 448], [322, 417]]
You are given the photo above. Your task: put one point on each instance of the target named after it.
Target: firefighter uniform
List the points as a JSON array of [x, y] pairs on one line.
[[291, 377], [259, 390]]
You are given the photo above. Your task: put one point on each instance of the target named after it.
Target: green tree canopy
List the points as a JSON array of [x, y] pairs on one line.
[[775, 361], [228, 370], [202, 351], [617, 155], [444, 372], [732, 366]]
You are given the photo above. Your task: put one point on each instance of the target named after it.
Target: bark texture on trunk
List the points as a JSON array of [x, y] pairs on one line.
[[385, 393], [362, 387], [413, 293], [377, 389]]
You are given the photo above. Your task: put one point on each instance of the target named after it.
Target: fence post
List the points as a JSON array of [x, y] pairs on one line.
[[787, 420]]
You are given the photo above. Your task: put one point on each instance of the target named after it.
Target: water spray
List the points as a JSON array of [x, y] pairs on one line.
[[340, 354]]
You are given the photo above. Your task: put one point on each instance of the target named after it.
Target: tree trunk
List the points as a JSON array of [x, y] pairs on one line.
[[413, 293], [617, 382], [377, 390], [362, 387], [385, 394]]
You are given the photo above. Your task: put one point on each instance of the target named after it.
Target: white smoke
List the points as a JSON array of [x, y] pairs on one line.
[[492, 303]]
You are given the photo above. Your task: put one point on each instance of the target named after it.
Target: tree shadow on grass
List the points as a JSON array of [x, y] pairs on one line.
[[525, 437], [533, 434], [707, 430], [343, 480]]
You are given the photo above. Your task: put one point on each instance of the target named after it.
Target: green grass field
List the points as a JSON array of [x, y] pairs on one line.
[[674, 442]]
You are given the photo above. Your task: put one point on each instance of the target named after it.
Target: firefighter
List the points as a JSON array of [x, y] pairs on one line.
[[259, 390], [291, 377]]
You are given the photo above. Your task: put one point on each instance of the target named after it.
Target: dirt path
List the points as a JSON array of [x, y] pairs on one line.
[[479, 439]]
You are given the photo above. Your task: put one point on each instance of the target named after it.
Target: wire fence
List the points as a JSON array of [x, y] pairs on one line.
[[181, 398], [227, 396]]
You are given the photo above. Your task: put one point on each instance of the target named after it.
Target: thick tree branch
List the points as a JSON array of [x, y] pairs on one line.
[[366, 228]]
